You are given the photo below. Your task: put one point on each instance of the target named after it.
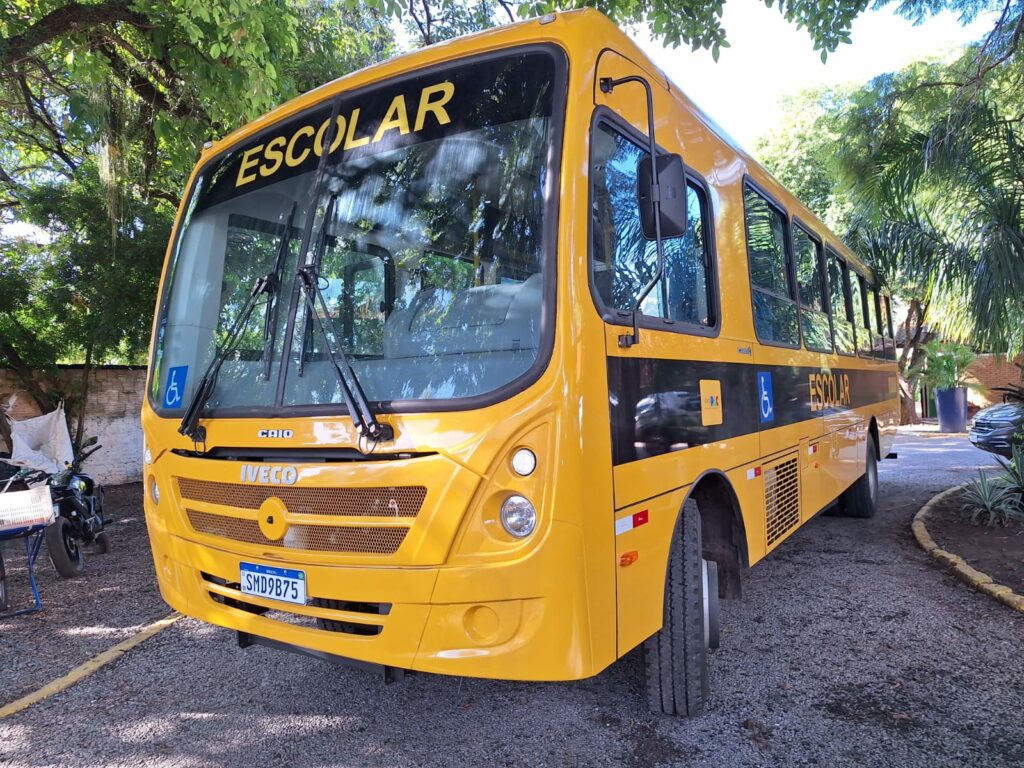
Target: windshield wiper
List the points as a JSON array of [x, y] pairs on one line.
[[355, 398], [190, 421], [270, 321], [318, 258]]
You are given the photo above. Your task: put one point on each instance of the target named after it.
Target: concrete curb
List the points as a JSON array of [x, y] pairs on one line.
[[89, 667], [980, 581]]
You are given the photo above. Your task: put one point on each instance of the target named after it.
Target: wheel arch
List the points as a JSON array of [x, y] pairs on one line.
[[723, 532], [873, 432]]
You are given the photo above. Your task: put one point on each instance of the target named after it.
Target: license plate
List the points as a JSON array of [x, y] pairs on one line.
[[275, 583], [972, 437]]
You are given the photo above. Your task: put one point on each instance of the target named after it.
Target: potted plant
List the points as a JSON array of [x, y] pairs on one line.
[[944, 371]]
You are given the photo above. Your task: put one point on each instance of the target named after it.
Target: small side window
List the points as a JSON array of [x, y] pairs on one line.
[[873, 322], [813, 308], [775, 311], [890, 343], [622, 261], [859, 319], [842, 326]]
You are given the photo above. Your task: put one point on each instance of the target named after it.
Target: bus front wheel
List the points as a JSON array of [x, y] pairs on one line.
[[676, 658], [861, 498]]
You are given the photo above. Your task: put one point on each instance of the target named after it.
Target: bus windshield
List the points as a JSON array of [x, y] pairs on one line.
[[427, 223]]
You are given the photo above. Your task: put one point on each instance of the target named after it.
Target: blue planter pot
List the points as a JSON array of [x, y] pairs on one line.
[[951, 407]]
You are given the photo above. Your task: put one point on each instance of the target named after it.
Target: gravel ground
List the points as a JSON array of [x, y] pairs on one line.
[[81, 617], [849, 648]]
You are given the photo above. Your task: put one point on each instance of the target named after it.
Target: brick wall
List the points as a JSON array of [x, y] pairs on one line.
[[993, 371], [112, 415]]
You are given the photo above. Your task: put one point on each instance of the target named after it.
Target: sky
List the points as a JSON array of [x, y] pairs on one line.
[[770, 58]]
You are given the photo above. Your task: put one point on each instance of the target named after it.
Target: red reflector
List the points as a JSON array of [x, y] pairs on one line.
[[639, 518], [757, 471]]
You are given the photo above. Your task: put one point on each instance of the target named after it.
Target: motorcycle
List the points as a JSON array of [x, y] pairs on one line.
[[78, 502]]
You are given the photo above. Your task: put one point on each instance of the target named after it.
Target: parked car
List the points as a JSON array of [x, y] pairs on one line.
[[998, 428]]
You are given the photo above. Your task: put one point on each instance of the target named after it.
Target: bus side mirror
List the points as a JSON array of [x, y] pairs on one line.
[[674, 210]]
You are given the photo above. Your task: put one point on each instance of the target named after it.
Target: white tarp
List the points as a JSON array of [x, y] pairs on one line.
[[42, 443]]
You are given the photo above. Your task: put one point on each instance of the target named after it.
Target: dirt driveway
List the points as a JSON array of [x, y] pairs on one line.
[[850, 648]]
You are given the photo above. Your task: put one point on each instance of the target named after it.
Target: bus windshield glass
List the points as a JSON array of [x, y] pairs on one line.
[[428, 223]]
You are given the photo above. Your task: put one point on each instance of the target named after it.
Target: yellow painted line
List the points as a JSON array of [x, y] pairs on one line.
[[83, 671], [977, 579]]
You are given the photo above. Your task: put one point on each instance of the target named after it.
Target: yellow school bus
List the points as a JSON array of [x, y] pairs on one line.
[[448, 375]]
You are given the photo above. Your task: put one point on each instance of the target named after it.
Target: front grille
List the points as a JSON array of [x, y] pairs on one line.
[[401, 501], [781, 498], [317, 538], [982, 427], [237, 599]]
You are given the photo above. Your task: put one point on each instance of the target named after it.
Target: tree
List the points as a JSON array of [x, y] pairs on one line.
[[105, 106]]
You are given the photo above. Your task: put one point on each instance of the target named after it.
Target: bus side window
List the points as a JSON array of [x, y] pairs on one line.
[[775, 312], [813, 310], [890, 344], [874, 322], [857, 300], [843, 331], [622, 261]]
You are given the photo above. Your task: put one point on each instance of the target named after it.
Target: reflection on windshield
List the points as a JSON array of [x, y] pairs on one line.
[[429, 244]]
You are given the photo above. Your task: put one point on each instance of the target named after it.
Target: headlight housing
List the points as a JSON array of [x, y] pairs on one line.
[[518, 516]]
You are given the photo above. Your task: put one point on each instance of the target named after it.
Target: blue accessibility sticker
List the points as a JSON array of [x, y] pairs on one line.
[[766, 397], [174, 392]]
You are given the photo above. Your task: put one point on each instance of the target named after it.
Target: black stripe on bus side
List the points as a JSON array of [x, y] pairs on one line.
[[655, 404]]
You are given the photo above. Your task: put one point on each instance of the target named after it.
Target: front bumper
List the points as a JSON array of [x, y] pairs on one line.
[[518, 620], [998, 441]]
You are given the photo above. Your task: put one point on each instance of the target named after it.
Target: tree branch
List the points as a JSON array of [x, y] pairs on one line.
[[70, 18]]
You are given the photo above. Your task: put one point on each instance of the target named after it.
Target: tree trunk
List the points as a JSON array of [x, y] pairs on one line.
[[913, 328], [83, 399]]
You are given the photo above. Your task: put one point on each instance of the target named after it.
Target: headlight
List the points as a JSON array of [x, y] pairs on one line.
[[154, 491], [147, 454], [518, 516]]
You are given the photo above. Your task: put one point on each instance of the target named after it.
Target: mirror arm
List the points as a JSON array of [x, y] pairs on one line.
[[607, 86]]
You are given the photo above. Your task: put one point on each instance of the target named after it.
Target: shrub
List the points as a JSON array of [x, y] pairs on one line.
[[992, 500]]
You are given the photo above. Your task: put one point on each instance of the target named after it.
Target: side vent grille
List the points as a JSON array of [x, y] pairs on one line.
[[781, 498]]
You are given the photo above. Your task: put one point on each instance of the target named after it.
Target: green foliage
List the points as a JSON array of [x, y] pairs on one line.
[[945, 366], [106, 104], [1013, 472], [695, 24], [992, 501]]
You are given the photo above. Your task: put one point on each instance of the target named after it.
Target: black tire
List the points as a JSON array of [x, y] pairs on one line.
[[676, 657], [102, 542], [860, 500], [3, 584], [65, 554]]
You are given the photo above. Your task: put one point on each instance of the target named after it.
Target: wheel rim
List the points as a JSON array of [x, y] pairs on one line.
[[873, 481], [71, 546], [709, 582]]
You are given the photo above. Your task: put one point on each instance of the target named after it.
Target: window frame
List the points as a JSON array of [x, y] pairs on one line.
[[794, 289], [797, 223], [844, 270], [622, 317]]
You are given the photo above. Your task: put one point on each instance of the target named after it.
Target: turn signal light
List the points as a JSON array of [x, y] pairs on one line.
[[628, 558]]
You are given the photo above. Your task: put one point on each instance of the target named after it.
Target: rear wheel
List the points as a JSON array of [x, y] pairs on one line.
[[676, 657], [861, 498], [65, 554]]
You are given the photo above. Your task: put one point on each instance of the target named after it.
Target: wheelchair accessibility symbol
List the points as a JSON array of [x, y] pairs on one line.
[[766, 399], [175, 389]]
